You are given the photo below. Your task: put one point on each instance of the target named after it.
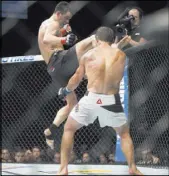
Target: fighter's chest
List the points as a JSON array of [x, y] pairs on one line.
[[59, 33]]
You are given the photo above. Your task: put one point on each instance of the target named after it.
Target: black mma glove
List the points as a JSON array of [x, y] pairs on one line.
[[63, 92], [69, 40]]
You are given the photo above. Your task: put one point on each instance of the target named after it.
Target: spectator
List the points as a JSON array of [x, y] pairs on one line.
[[86, 159], [28, 156], [74, 159], [155, 159], [36, 153], [48, 155], [6, 157], [103, 159], [56, 158], [111, 158], [148, 158], [19, 157]]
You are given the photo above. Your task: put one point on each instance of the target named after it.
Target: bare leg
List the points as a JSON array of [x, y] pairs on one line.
[[128, 149], [84, 46], [70, 128], [64, 112], [61, 117]]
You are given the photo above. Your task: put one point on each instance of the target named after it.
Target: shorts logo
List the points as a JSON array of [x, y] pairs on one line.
[[77, 108], [99, 101]]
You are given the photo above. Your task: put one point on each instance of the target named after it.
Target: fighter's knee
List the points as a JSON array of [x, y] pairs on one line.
[[70, 125], [71, 98], [71, 105], [74, 99], [68, 108], [72, 102]]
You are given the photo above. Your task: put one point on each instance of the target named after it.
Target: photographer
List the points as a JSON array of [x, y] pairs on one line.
[[128, 34], [128, 30]]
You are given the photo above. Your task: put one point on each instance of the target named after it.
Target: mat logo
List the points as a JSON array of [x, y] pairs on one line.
[[17, 59], [91, 172]]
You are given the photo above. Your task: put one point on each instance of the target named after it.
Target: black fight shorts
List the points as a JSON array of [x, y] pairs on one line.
[[62, 65]]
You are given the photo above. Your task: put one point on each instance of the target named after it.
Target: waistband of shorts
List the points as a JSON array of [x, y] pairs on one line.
[[92, 94], [113, 97], [56, 52]]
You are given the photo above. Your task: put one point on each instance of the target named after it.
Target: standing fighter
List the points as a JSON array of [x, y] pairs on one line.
[[104, 67], [61, 64]]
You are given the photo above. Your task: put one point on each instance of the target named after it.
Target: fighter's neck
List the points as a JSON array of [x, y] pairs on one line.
[[103, 44], [54, 18]]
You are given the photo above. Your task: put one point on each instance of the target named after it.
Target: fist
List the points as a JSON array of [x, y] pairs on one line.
[[71, 39], [67, 28]]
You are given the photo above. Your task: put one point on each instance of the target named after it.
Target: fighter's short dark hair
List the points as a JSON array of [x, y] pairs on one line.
[[62, 7], [105, 34]]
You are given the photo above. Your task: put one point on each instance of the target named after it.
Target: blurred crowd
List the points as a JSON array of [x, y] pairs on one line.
[[37, 155]]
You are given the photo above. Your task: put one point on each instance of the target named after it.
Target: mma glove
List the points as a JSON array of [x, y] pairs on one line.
[[69, 40], [63, 92], [66, 29]]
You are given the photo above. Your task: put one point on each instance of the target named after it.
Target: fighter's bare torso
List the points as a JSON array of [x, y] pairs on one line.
[[45, 50], [104, 68]]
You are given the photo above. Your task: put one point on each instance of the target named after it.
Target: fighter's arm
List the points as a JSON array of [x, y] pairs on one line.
[[77, 77], [50, 37], [120, 64], [74, 81], [85, 45]]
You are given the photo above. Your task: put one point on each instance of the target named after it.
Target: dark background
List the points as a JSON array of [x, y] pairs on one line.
[[19, 39]]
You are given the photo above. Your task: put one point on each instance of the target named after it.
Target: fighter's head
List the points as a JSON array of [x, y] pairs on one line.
[[63, 13], [105, 34]]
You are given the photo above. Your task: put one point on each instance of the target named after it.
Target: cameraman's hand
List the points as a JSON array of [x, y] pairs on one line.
[[123, 42]]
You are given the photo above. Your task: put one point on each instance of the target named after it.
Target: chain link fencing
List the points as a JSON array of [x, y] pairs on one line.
[[148, 101]]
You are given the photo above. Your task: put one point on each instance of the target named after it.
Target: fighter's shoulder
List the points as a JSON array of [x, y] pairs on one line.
[[49, 23], [86, 56], [89, 53]]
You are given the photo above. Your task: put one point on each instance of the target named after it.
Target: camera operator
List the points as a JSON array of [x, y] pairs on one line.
[[128, 30], [128, 34]]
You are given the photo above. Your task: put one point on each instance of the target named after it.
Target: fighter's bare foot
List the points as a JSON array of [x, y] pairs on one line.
[[62, 172], [50, 143], [134, 172]]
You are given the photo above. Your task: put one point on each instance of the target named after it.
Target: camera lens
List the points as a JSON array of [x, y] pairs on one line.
[[120, 30]]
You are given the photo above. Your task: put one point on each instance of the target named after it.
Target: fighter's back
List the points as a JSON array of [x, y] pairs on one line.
[[104, 67]]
